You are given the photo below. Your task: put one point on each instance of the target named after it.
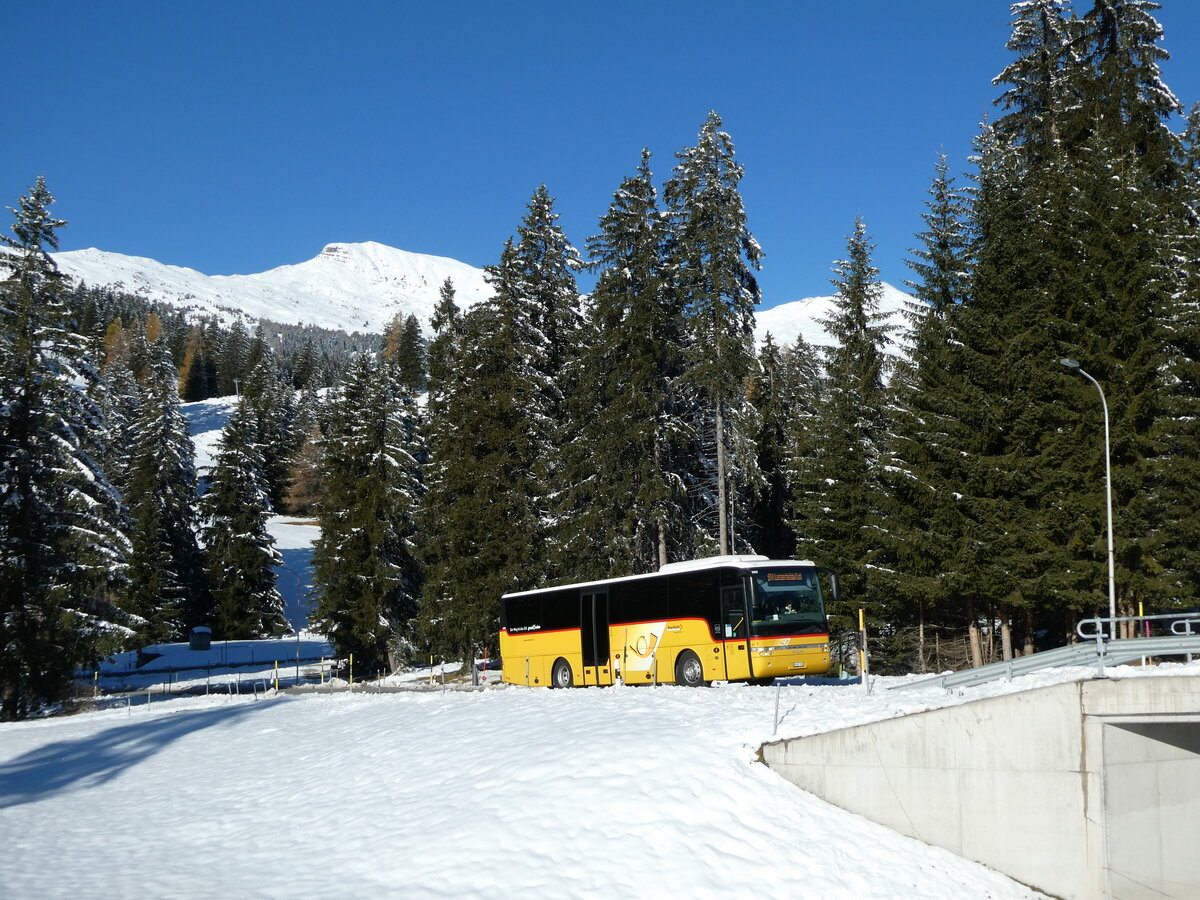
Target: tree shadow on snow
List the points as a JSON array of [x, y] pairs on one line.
[[94, 760]]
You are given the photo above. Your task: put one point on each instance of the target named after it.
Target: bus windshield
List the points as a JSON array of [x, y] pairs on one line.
[[788, 602]]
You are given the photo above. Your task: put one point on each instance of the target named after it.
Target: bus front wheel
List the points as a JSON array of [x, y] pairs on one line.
[[688, 670], [560, 675]]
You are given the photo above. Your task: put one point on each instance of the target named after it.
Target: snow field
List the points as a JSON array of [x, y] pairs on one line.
[[505, 792]]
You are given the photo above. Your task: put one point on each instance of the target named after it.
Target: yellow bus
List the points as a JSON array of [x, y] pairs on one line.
[[724, 618]]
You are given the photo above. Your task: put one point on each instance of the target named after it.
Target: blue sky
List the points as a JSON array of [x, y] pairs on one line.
[[233, 137]]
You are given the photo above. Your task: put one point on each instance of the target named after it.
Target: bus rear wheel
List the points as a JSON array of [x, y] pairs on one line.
[[688, 670], [560, 674]]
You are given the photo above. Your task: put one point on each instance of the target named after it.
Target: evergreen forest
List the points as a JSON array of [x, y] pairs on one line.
[[952, 472]]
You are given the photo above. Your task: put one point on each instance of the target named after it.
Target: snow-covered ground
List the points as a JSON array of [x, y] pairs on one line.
[[508, 791]]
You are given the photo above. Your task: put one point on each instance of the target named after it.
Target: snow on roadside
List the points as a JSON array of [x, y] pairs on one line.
[[624, 791]]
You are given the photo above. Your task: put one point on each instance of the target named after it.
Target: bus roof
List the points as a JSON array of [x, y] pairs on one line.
[[687, 565]]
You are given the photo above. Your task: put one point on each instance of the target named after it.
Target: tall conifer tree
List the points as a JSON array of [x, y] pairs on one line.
[[626, 501], [167, 586], [240, 556], [61, 544], [365, 577], [713, 257], [840, 489]]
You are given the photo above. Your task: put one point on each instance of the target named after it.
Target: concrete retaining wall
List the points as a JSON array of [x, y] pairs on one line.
[[1088, 789]]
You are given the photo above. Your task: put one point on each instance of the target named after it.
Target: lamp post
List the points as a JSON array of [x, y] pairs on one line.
[[1074, 366]]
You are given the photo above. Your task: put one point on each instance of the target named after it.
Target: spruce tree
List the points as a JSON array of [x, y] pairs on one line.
[[62, 549], [627, 507], [494, 511], [447, 331], [240, 556], [768, 393], [365, 576], [404, 348], [927, 523], [712, 257], [1073, 255], [1175, 495], [840, 488], [233, 359], [167, 588], [485, 533], [273, 404]]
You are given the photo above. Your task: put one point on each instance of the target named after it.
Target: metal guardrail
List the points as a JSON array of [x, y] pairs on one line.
[[1096, 649]]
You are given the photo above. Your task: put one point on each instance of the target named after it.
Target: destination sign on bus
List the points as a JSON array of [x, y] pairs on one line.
[[785, 576]]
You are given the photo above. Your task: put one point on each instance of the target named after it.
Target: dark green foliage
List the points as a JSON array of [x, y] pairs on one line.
[[365, 577], [272, 402], [781, 392], [62, 550], [712, 258], [495, 465], [167, 588], [240, 556], [404, 348], [840, 487], [626, 506], [928, 530], [1074, 217], [233, 359]]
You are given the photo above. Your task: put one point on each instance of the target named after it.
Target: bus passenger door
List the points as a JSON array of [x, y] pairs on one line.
[[736, 632], [593, 634]]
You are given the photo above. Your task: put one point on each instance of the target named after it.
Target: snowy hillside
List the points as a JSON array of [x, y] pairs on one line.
[[803, 317], [351, 287]]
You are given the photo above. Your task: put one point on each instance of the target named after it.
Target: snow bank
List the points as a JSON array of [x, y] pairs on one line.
[[623, 791]]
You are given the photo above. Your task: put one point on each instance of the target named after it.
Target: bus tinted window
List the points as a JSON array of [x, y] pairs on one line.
[[560, 609], [694, 595], [644, 600], [522, 614]]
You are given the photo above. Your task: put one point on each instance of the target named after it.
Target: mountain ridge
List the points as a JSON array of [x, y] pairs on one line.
[[347, 286], [363, 286]]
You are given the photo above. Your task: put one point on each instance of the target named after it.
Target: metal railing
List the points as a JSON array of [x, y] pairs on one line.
[[1095, 648]]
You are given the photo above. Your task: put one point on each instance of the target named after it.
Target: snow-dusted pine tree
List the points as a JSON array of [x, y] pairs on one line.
[[365, 578], [712, 256], [239, 554], [167, 588], [493, 511], [62, 549], [840, 489], [625, 503]]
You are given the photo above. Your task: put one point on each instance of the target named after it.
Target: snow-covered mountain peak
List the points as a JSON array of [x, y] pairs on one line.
[[803, 317], [347, 286]]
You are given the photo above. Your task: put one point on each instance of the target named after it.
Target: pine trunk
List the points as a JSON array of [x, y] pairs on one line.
[[921, 642], [662, 519], [722, 516], [1006, 647], [973, 637]]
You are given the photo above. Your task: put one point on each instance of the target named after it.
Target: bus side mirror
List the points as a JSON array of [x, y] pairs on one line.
[[834, 590]]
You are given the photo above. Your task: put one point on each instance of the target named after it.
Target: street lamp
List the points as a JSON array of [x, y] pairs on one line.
[[1074, 366]]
